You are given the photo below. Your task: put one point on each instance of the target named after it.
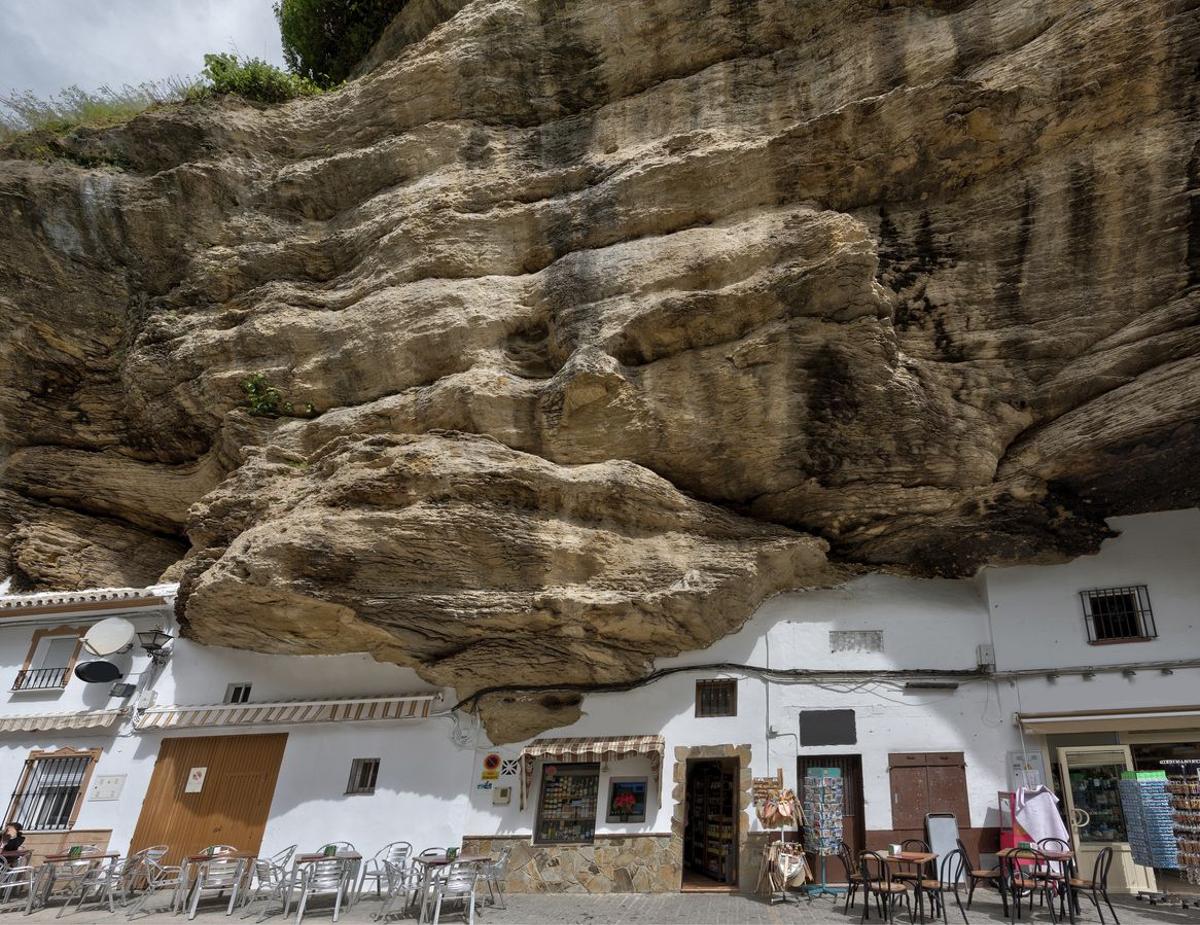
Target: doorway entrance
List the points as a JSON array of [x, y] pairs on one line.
[[710, 836], [854, 832], [209, 790]]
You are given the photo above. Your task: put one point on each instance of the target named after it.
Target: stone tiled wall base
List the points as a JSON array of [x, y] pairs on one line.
[[614, 864]]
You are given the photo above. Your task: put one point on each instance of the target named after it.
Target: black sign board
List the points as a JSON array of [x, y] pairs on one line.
[[827, 727]]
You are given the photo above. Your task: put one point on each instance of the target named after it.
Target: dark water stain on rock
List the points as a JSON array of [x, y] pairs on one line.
[[1008, 293]]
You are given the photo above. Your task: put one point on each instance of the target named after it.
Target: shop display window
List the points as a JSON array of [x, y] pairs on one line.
[[567, 804]]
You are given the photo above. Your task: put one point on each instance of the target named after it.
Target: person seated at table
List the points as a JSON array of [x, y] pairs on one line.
[[13, 838]]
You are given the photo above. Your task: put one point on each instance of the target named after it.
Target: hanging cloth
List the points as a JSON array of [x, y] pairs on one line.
[[1037, 813]]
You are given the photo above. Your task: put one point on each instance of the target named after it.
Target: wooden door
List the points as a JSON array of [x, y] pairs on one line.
[[230, 806], [853, 823]]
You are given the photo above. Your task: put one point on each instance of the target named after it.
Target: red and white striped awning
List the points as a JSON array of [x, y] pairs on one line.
[[608, 748], [48, 722], [288, 712]]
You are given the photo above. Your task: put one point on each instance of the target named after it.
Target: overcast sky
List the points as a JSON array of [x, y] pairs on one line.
[[46, 45]]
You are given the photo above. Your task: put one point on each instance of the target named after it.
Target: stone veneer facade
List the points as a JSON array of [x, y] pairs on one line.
[[650, 863], [612, 864]]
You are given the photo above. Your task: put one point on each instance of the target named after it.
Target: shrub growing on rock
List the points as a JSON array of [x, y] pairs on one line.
[[324, 39], [253, 79]]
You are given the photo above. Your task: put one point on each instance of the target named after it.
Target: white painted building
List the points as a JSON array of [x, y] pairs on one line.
[[906, 696]]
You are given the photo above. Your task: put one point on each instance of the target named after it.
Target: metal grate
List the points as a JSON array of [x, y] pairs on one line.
[[40, 679], [51, 788], [1118, 614], [238, 693], [716, 698], [363, 774]]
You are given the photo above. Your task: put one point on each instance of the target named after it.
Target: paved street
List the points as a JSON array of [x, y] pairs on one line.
[[641, 909]]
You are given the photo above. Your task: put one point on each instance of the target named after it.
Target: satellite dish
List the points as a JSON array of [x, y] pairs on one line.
[[108, 637], [97, 672]]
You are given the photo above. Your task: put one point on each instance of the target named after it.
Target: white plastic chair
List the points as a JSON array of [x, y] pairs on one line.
[[219, 875], [397, 852], [457, 884]]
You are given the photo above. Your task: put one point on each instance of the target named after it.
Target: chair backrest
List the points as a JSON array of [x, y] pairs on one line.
[[326, 874], [218, 872], [846, 856], [340, 845], [952, 867], [971, 863], [874, 869], [500, 865], [914, 844], [1020, 859], [397, 852], [1100, 868], [219, 849], [283, 858], [1053, 844], [459, 877], [432, 852]]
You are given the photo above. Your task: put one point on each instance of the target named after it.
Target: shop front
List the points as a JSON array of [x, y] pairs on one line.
[[1089, 752]]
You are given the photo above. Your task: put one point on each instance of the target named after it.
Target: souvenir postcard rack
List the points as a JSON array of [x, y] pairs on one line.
[[823, 808], [1183, 785]]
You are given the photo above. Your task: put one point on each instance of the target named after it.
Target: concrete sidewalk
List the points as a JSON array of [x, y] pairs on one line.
[[633, 909]]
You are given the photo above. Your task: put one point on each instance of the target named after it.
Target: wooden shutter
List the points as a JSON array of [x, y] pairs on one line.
[[928, 782]]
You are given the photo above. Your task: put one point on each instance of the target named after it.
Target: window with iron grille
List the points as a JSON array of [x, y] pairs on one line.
[[49, 790], [716, 698], [1118, 614], [363, 773], [238, 693]]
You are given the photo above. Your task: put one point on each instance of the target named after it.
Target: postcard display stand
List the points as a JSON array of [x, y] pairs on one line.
[[823, 809], [1183, 786]]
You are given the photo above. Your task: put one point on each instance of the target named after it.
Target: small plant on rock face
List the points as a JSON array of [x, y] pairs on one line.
[[262, 398], [253, 79], [266, 401]]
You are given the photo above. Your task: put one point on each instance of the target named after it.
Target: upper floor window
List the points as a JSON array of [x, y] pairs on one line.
[[51, 789], [238, 692], [364, 772], [1118, 614], [48, 663], [716, 698]]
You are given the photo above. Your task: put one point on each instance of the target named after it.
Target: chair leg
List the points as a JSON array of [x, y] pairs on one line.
[[437, 910], [195, 902], [337, 905], [300, 907], [1108, 903]]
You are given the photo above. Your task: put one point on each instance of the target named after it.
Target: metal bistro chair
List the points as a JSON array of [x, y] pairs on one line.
[[950, 873], [18, 878], [326, 877], [423, 877], [100, 882], [1020, 877], [457, 884], [1097, 887], [159, 877], [270, 881], [62, 877], [403, 882], [495, 873], [877, 881], [853, 876], [135, 872], [977, 874], [219, 875], [397, 852]]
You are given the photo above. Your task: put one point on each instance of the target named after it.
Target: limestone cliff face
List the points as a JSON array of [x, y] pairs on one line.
[[614, 318]]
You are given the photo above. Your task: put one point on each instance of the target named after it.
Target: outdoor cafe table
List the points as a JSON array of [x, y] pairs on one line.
[[918, 860], [49, 869], [432, 861], [1066, 858]]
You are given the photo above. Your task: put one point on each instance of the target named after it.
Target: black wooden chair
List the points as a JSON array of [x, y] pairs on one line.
[[1057, 872], [877, 881], [977, 874], [1020, 878], [1097, 887], [920, 872], [853, 876], [952, 867]]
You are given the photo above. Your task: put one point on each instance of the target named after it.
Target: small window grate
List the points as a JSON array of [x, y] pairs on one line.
[[716, 698], [238, 693], [1118, 614], [363, 774]]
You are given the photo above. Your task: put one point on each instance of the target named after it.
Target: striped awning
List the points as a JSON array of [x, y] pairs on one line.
[[608, 748], [288, 712], [47, 722]]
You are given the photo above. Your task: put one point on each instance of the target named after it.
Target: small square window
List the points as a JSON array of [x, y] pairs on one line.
[[1118, 614], [363, 774], [238, 692], [716, 698]]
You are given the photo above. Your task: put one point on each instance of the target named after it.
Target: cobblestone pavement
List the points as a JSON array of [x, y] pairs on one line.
[[634, 909]]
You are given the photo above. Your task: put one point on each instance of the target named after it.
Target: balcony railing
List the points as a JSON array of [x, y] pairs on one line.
[[40, 679]]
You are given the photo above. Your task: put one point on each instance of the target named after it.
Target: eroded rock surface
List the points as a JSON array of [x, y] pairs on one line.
[[706, 279]]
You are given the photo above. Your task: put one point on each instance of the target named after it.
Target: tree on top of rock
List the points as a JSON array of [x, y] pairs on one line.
[[324, 39]]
